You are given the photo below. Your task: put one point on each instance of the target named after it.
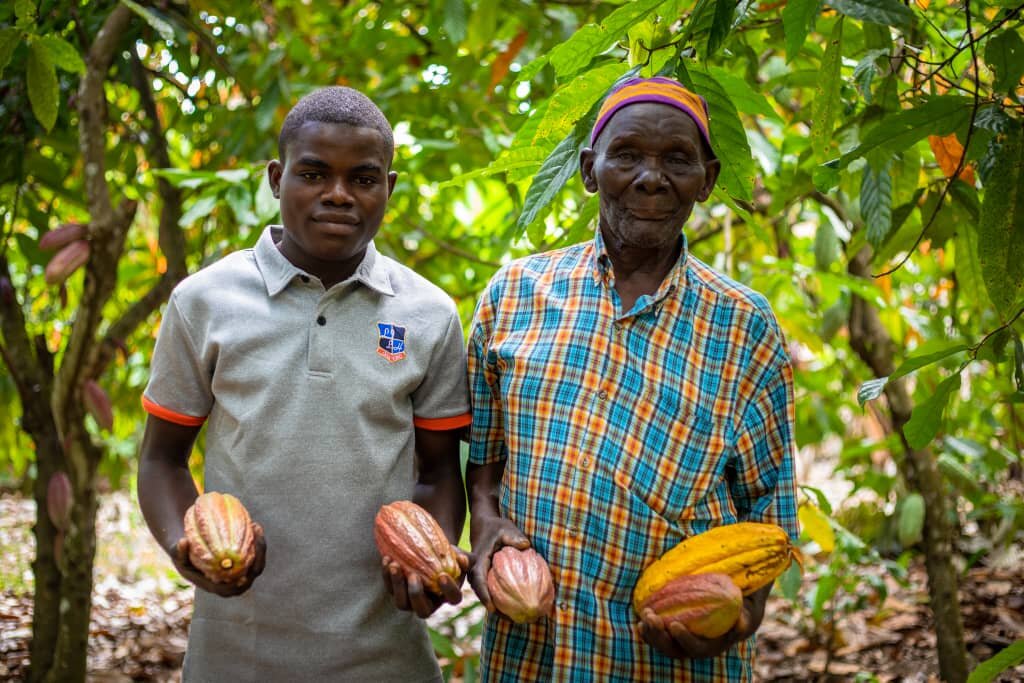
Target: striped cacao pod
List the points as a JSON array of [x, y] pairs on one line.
[[61, 236], [58, 500], [750, 553], [707, 605], [520, 584], [410, 536], [221, 542], [98, 404], [66, 261]]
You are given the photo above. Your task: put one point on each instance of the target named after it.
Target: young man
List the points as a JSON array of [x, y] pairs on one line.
[[625, 396], [332, 381]]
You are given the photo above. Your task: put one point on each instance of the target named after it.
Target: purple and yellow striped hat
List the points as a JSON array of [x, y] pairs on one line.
[[657, 89]]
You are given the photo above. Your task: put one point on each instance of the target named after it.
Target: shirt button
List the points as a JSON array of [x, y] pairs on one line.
[[563, 605], [573, 531], [304, 278], [585, 462], [321, 321], [603, 395]]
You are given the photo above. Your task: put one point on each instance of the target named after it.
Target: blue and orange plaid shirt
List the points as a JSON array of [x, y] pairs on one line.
[[623, 433]]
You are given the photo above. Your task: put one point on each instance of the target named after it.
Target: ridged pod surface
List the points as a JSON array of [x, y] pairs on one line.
[[98, 404], [66, 261], [708, 605], [61, 236], [410, 536], [520, 584], [752, 554], [221, 543]]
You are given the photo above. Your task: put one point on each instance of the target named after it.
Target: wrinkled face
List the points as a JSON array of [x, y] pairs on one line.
[[333, 186], [649, 169]]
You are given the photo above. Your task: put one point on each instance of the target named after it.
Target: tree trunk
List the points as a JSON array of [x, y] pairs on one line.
[[871, 341]]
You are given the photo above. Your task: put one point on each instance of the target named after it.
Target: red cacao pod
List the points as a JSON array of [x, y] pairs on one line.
[[221, 542], [410, 536], [98, 404], [520, 584], [59, 497], [61, 236], [66, 261], [708, 605]]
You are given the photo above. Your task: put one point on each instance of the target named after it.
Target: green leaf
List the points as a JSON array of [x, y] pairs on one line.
[[888, 12], [508, 160], [240, 201], [1001, 229], [819, 496], [876, 204], [825, 177], [790, 582], [721, 25], [200, 209], [556, 170], [159, 24], [1018, 363], [823, 592], [1008, 657], [1005, 54], [572, 101], [455, 20], [926, 419], [744, 96], [63, 53], [43, 89], [25, 11], [940, 115], [797, 20], [728, 137], [9, 39], [826, 94], [916, 362], [871, 390], [591, 40], [442, 644]]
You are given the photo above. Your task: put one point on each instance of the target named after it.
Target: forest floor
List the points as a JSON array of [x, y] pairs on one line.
[[141, 614]]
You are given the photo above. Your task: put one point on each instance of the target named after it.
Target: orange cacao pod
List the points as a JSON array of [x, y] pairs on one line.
[[221, 543], [98, 404], [708, 605], [520, 584], [58, 500], [410, 536], [66, 261], [61, 236]]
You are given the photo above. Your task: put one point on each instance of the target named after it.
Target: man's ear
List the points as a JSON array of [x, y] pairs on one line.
[[274, 170], [587, 156], [711, 171], [392, 177]]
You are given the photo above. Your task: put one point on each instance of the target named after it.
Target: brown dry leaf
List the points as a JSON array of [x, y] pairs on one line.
[[948, 152], [499, 68]]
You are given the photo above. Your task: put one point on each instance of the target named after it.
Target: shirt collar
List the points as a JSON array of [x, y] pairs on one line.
[[278, 272], [603, 268]]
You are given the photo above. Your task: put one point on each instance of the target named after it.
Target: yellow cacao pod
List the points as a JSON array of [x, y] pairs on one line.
[[410, 536], [752, 554], [708, 605], [221, 542]]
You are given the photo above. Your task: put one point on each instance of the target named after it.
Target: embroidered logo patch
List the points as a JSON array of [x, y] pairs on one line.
[[391, 343]]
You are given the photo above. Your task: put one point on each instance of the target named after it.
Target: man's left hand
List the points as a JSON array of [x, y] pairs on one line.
[[675, 641], [410, 594]]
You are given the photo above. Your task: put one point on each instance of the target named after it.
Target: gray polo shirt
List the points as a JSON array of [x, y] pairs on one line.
[[310, 398]]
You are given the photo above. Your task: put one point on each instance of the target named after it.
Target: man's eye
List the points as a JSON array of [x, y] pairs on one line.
[[625, 156], [311, 175], [366, 180]]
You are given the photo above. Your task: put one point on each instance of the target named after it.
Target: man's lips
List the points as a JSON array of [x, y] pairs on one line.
[[336, 218]]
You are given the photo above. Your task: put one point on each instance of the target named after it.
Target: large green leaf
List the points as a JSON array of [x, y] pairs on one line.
[[572, 101], [940, 115], [9, 39], [888, 12], [919, 361], [968, 269], [561, 165], [826, 94], [455, 20], [797, 18], [1005, 54], [876, 204], [593, 39], [1005, 659], [728, 136], [63, 53], [748, 99], [509, 160], [721, 25], [1001, 229], [43, 89], [925, 421]]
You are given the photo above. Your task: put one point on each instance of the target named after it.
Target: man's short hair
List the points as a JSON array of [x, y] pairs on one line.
[[336, 104]]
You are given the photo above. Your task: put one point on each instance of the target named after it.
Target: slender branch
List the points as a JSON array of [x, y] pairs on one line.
[[974, 350], [446, 246]]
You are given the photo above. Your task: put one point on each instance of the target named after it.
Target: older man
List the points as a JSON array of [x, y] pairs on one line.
[[625, 396]]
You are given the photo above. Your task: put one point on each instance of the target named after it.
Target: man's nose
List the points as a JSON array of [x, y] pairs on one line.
[[652, 178], [336, 192]]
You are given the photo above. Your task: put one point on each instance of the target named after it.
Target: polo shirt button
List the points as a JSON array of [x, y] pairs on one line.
[[585, 462], [563, 605], [603, 395], [304, 278], [321, 321]]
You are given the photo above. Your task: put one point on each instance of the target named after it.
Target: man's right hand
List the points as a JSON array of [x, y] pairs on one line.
[[179, 555], [488, 538]]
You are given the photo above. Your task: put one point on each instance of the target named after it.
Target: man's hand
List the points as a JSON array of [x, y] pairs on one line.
[[675, 641], [410, 594], [489, 537], [179, 556]]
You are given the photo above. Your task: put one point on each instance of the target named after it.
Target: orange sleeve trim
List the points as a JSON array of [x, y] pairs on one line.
[[440, 424], [171, 416]]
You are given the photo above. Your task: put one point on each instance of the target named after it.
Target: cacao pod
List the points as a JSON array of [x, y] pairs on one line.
[[750, 553], [58, 500], [411, 537], [911, 521], [221, 542], [520, 584], [98, 404], [61, 236], [66, 261], [708, 605]]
